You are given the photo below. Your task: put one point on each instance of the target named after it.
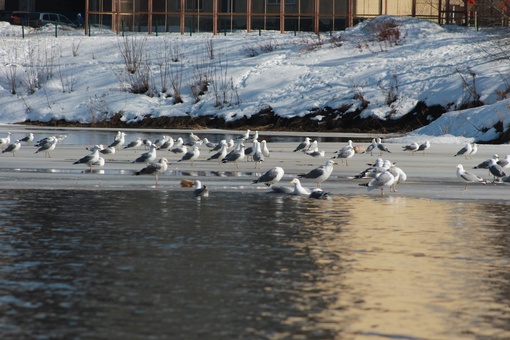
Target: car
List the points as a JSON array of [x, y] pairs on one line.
[[5, 15], [22, 17], [52, 18]]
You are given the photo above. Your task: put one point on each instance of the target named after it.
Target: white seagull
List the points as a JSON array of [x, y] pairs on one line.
[[191, 155], [154, 169], [304, 145], [200, 190], [381, 180], [424, 146], [321, 173], [89, 159], [13, 147], [298, 188], [468, 177], [271, 176], [147, 157], [466, 151]]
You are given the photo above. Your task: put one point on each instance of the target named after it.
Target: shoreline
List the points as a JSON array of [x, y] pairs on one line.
[[430, 176]]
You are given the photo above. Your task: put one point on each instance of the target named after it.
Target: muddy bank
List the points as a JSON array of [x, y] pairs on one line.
[[320, 120]]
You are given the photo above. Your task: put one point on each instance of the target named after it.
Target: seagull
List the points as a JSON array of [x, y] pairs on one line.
[[235, 156], [193, 138], [304, 145], [466, 150], [468, 177], [28, 138], [222, 153], [5, 141], [496, 170], [119, 140], [89, 159], [200, 190], [264, 149], [167, 144], [321, 173], [258, 156], [371, 147], [179, 149], [160, 141], [424, 146], [381, 147], [505, 162], [191, 155], [219, 145], [298, 188], [154, 169], [316, 153], [245, 136], [485, 164], [13, 147], [400, 177], [248, 152], [209, 144], [413, 147], [271, 176], [108, 151], [255, 136], [135, 144], [317, 193], [345, 153], [381, 180], [474, 150], [147, 157], [48, 146]]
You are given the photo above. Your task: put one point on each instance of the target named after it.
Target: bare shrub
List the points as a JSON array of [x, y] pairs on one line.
[[250, 51], [132, 50], [225, 93], [75, 47], [210, 49], [385, 32], [11, 73], [67, 81], [268, 46], [469, 84], [313, 43], [176, 82], [390, 89], [358, 94]]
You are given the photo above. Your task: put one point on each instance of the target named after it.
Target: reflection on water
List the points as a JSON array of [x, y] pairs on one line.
[[160, 265]]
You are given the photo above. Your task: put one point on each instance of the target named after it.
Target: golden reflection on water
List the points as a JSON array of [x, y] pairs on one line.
[[409, 268]]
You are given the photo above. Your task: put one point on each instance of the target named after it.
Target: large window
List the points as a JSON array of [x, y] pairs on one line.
[[277, 2], [191, 5]]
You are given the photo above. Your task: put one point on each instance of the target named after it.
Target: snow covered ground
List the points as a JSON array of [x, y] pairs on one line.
[[84, 78]]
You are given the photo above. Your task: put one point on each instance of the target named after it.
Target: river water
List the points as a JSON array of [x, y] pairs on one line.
[[151, 264]]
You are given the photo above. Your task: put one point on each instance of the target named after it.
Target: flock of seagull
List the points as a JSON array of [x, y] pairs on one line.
[[381, 174]]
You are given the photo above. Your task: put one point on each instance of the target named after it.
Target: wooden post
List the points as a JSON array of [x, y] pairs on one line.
[[215, 17], [150, 16], [248, 16], [316, 16], [282, 16], [87, 17], [183, 24]]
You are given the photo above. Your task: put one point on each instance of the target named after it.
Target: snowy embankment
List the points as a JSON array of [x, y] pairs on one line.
[[84, 79]]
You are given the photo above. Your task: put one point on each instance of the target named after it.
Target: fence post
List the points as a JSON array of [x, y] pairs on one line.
[[56, 29]]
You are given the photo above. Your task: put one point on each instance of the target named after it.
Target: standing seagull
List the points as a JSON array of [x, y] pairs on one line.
[[135, 144], [235, 156], [191, 155], [424, 146], [466, 151], [5, 141], [48, 146], [381, 180], [263, 147], [496, 170], [270, 177], [345, 153], [148, 156], [467, 176], [413, 147], [154, 169], [381, 147], [321, 173], [222, 153], [119, 140], [200, 190], [89, 159], [304, 145], [28, 138], [371, 147], [13, 147], [258, 156]]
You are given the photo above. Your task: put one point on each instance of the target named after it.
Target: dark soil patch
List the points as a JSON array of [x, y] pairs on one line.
[[320, 120]]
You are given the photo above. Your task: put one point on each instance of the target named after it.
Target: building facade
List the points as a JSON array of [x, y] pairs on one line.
[[219, 16]]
